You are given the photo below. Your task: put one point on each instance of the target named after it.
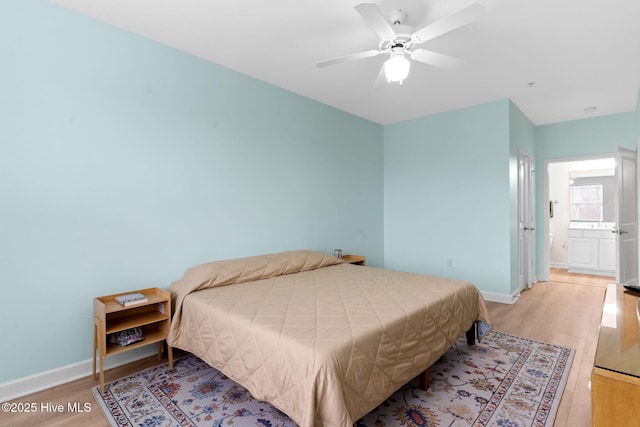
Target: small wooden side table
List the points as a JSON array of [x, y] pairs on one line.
[[110, 317], [355, 259]]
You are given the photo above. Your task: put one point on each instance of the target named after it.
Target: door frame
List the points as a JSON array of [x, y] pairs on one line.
[[526, 221], [546, 258]]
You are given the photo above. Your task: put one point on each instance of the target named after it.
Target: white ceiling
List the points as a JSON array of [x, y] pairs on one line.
[[578, 53]]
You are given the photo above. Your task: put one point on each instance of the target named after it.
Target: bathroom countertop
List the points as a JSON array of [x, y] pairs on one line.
[[592, 225]]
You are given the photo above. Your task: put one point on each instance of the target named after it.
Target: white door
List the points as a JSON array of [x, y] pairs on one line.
[[626, 230], [525, 222]]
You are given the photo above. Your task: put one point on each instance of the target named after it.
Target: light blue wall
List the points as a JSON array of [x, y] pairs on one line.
[[124, 162], [447, 195], [587, 137]]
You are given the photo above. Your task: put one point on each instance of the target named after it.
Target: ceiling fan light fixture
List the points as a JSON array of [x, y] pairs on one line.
[[396, 68]]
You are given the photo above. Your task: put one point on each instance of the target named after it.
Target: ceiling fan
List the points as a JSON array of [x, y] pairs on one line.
[[398, 39]]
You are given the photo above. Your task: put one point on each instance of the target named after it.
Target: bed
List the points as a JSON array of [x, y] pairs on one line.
[[323, 340]]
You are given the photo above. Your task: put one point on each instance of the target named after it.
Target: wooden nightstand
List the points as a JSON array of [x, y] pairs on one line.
[[153, 317], [354, 259]]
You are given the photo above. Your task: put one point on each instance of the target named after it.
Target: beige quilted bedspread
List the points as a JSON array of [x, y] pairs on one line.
[[322, 340]]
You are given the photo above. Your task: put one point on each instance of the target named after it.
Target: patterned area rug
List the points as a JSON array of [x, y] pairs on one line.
[[503, 381]]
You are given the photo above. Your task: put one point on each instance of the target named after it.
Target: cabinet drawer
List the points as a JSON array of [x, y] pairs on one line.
[[574, 233], [597, 234]]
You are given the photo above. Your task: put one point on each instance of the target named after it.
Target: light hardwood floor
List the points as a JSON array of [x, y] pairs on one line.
[[566, 314], [563, 275]]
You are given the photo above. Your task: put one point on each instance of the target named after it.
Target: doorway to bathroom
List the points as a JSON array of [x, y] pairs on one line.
[[581, 219]]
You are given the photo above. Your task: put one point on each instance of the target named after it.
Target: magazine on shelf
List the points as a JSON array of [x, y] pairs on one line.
[[131, 299]]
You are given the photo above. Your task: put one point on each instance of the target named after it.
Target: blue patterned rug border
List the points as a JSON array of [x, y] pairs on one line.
[[499, 394], [548, 406]]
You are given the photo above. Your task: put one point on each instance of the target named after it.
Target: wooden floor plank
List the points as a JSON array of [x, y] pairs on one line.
[[562, 313]]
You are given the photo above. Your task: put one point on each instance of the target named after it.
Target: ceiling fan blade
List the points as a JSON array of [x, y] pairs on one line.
[[350, 57], [381, 80], [449, 23], [376, 20], [436, 59]]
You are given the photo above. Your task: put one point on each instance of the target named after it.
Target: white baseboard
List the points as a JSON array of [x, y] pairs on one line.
[[37, 382], [558, 265], [542, 278], [502, 298], [592, 272]]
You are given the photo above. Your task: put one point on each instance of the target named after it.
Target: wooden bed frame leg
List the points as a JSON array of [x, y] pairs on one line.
[[471, 340], [424, 380], [471, 335]]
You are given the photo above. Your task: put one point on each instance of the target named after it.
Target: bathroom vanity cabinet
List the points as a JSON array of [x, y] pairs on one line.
[[592, 251]]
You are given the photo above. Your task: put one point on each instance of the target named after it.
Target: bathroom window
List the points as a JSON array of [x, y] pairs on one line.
[[585, 202]]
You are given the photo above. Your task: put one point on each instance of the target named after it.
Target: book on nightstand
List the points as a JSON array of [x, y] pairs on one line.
[[131, 299]]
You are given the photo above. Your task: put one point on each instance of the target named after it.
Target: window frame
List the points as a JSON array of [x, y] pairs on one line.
[[577, 207]]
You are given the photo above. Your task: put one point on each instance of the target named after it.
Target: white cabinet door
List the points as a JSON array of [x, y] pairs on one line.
[[607, 255], [583, 253]]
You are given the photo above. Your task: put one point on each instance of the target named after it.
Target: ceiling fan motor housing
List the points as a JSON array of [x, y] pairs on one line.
[[402, 37], [397, 17]]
